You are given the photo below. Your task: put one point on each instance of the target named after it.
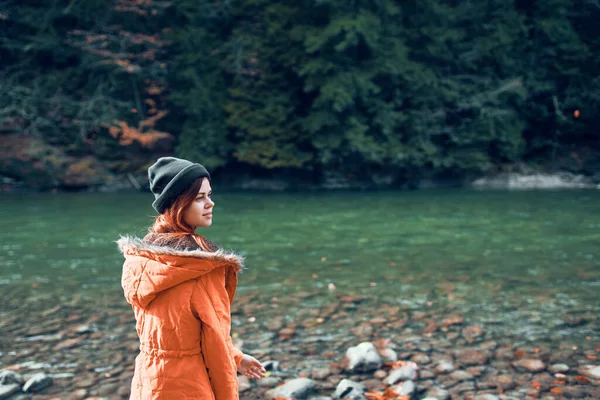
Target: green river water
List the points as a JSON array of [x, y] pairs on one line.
[[522, 261]]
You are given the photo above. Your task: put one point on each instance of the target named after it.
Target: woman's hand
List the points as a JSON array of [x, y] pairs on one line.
[[251, 367]]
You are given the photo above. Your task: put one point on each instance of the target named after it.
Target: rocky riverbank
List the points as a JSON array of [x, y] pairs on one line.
[[349, 346], [27, 163]]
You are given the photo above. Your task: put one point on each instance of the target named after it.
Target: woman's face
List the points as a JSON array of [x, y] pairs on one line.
[[199, 213]]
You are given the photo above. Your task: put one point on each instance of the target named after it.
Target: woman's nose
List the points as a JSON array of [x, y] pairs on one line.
[[210, 203]]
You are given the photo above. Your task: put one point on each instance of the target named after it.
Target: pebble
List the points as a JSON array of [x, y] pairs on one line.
[[444, 367], [320, 374], [460, 375], [486, 397], [243, 383], [471, 357], [470, 333], [298, 388], [529, 364], [438, 393], [37, 383], [389, 355], [268, 382], [78, 394], [421, 358], [559, 367], [380, 374]]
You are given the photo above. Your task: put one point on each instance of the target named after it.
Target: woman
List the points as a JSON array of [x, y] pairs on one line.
[[181, 287]]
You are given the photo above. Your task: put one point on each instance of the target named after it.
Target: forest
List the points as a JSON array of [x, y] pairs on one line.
[[374, 89]]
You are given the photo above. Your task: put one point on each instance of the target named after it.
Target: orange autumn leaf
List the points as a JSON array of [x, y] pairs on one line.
[[576, 113], [582, 379], [374, 396], [536, 385], [556, 390], [590, 356], [519, 353]]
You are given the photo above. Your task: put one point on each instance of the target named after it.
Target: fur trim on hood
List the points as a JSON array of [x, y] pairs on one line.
[[129, 245]]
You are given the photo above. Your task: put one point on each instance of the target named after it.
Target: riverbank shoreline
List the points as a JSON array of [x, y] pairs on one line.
[[503, 181], [432, 351]]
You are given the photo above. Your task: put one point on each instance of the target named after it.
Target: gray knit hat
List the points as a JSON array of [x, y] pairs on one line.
[[169, 177]]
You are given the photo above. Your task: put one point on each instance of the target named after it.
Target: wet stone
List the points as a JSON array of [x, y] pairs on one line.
[[438, 393]]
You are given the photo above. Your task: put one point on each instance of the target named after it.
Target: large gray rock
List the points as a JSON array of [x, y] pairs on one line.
[[350, 390], [7, 377], [294, 389], [37, 383], [405, 373], [363, 357], [8, 390]]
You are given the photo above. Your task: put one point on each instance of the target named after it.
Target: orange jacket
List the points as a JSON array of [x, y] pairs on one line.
[[181, 300]]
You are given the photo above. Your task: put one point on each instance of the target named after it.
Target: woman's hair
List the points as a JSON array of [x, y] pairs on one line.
[[170, 229]]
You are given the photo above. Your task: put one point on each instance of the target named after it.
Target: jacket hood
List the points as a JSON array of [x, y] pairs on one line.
[[150, 269]]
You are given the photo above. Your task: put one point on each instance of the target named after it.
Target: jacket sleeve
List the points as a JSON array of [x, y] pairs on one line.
[[215, 345], [231, 286], [237, 353]]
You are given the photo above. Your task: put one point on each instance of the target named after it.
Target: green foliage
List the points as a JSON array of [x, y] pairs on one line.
[[327, 85]]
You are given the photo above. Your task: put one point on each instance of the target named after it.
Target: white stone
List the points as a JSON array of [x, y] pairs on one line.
[[363, 357], [37, 382], [350, 390], [406, 389], [404, 373]]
